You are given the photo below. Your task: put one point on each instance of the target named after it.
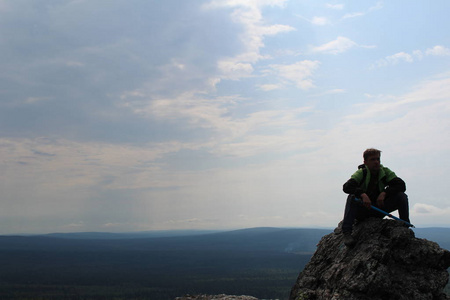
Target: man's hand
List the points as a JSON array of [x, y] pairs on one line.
[[366, 200], [380, 199]]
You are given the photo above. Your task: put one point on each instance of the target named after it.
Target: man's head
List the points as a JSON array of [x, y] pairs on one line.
[[372, 159]]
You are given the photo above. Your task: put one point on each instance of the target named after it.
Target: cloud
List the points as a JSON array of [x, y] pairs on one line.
[[72, 81], [335, 6], [331, 92], [319, 21], [425, 92], [254, 133], [353, 15], [270, 87], [299, 73], [74, 226], [377, 6], [411, 57], [429, 214], [401, 56], [248, 3], [438, 51], [234, 69], [437, 88], [340, 45], [62, 164], [249, 15], [415, 121], [189, 109], [132, 85], [336, 91], [422, 208]]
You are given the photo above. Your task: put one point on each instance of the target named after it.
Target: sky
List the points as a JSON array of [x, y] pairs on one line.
[[141, 115]]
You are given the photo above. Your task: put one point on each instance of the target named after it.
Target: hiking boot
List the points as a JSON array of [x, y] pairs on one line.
[[349, 241]]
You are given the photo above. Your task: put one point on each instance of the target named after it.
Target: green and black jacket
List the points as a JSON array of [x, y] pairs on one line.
[[387, 182]]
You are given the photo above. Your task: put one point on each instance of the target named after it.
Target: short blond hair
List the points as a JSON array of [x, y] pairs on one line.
[[370, 152]]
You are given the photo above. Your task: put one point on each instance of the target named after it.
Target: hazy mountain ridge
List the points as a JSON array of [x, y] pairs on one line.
[[250, 239], [440, 235], [129, 235], [254, 239]]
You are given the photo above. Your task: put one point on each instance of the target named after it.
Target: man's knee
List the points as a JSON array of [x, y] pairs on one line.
[[398, 201], [350, 198], [402, 198], [401, 195]]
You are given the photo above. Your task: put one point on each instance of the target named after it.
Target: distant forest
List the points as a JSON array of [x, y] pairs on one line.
[[261, 262]]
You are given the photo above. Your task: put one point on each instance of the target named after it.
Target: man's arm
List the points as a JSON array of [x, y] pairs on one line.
[[395, 186], [352, 187]]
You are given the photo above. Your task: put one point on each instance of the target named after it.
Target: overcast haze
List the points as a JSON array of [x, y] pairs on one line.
[[149, 115]]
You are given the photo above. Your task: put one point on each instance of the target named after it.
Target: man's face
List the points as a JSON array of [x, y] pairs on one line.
[[373, 163]]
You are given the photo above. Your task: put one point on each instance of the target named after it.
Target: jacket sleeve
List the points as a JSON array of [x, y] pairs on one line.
[[395, 186], [352, 187]]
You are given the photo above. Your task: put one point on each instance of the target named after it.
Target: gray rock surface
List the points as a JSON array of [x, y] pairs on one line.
[[215, 297], [387, 262]]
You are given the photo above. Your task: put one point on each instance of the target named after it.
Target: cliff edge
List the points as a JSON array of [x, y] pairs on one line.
[[387, 262]]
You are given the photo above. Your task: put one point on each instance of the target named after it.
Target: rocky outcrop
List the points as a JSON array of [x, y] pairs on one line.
[[387, 262], [215, 297]]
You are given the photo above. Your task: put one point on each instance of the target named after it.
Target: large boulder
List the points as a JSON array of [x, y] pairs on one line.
[[215, 297], [387, 262]]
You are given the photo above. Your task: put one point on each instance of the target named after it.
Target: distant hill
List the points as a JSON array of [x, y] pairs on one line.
[[440, 235], [253, 239], [129, 235], [250, 239]]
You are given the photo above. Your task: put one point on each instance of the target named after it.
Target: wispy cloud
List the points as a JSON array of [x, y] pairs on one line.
[[270, 87], [299, 73], [415, 55], [420, 110], [339, 45], [331, 92], [401, 56], [424, 212], [320, 21], [438, 51], [335, 6], [316, 20], [249, 15], [377, 6], [353, 15], [75, 165], [422, 208]]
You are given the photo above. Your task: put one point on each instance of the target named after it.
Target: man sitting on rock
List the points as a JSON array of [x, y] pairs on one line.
[[374, 185]]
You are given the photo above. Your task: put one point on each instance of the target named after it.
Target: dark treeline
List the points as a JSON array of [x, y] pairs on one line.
[[263, 263], [144, 275]]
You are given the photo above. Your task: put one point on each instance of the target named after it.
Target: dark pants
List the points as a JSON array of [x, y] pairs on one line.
[[356, 211]]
